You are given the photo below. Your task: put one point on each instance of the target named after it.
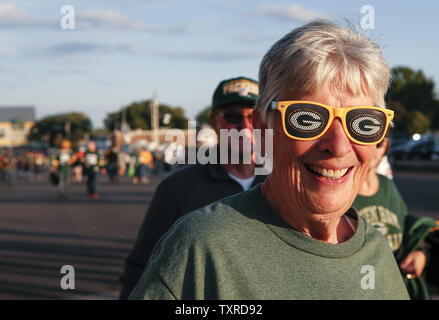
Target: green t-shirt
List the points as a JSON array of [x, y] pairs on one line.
[[91, 162], [385, 210], [238, 248], [64, 158]]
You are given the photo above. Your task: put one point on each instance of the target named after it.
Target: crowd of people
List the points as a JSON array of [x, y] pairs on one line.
[[22, 165], [67, 164]]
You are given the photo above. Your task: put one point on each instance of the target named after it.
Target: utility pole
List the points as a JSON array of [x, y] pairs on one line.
[[123, 118], [68, 129], [155, 118]]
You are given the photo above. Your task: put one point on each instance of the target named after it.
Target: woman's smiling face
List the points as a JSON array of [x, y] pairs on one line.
[[322, 175]]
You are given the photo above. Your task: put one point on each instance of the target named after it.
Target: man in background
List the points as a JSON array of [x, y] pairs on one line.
[[198, 185], [63, 164], [92, 165]]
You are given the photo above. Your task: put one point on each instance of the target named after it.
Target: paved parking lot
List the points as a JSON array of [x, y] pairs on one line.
[[40, 233]]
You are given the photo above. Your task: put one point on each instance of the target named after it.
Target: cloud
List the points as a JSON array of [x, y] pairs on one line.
[[250, 37], [6, 50], [218, 56], [13, 17], [110, 19], [67, 49], [76, 48], [291, 12], [69, 71], [6, 69], [107, 19], [9, 13]]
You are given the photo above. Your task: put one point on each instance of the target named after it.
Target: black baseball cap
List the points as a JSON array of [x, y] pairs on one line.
[[236, 90]]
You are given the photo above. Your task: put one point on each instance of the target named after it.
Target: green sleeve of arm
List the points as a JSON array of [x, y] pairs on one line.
[[160, 216], [415, 232], [151, 287]]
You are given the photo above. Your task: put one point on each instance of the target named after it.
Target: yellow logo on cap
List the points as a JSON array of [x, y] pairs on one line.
[[241, 86]]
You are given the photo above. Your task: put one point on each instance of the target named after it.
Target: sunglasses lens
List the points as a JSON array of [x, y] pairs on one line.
[[233, 117], [366, 125], [305, 120]]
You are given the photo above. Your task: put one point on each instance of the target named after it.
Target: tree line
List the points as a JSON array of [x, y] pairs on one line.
[[74, 126], [411, 95]]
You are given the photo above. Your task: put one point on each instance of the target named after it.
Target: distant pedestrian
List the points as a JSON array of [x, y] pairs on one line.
[[92, 164], [112, 165], [134, 167], [38, 166], [9, 168], [77, 167], [63, 164], [28, 166], [146, 163]]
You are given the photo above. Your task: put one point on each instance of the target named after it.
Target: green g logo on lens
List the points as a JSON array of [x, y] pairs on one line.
[[306, 120], [366, 125]]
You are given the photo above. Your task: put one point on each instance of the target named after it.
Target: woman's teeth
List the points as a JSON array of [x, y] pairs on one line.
[[328, 173]]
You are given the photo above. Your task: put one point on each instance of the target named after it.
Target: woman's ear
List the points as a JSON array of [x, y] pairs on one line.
[[380, 152], [387, 145], [383, 147]]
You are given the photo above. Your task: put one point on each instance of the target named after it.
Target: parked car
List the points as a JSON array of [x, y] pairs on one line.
[[435, 155], [423, 149], [399, 139]]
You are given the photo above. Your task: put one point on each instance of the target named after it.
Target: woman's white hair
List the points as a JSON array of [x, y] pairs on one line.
[[323, 53]]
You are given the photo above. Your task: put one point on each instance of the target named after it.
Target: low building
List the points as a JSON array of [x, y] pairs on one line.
[[15, 125]]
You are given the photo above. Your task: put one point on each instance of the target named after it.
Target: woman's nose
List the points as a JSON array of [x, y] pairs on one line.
[[335, 141]]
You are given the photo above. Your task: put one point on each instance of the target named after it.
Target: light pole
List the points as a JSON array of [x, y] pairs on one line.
[[155, 118]]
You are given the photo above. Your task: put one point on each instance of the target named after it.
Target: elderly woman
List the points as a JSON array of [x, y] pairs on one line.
[[295, 236]]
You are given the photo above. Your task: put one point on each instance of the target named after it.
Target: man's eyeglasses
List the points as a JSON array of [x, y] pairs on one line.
[[306, 120], [233, 117]]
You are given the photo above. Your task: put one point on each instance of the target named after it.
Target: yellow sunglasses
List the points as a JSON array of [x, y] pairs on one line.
[[307, 120]]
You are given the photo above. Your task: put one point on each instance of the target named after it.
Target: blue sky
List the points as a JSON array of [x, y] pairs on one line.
[[123, 50]]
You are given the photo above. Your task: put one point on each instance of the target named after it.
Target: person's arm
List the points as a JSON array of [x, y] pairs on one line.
[[415, 234], [162, 213], [73, 160], [152, 287], [414, 264], [54, 164], [101, 161]]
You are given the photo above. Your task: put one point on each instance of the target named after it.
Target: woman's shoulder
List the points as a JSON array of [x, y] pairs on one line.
[[220, 217], [201, 231]]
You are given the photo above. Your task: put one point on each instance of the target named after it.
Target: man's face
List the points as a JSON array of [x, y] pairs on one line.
[[235, 116], [91, 146], [305, 171], [65, 146]]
